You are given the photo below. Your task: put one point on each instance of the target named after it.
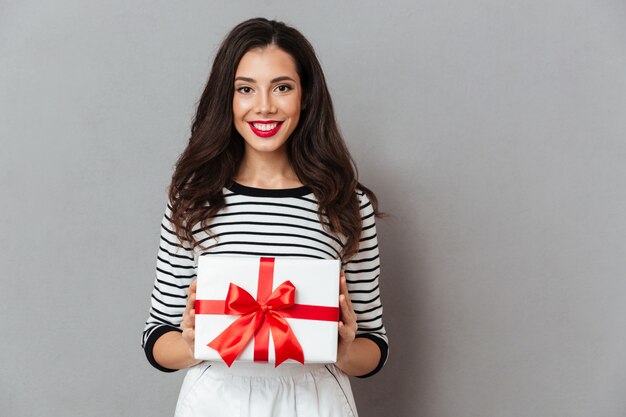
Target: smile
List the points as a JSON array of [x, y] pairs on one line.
[[264, 128]]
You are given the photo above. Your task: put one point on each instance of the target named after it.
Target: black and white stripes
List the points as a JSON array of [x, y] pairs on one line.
[[272, 223]]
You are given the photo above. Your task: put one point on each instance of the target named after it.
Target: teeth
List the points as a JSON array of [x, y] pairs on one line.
[[265, 126]]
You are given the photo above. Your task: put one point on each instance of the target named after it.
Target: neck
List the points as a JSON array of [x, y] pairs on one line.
[[270, 170]]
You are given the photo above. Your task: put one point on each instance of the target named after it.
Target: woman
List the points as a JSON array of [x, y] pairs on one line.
[[266, 173]]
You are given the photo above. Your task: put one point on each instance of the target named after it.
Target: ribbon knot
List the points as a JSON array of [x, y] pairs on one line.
[[258, 318]]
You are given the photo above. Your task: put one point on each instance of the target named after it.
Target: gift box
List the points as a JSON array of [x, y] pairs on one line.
[[267, 310]]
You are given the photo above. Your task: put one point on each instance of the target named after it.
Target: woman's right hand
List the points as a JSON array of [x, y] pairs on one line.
[[174, 350], [188, 325]]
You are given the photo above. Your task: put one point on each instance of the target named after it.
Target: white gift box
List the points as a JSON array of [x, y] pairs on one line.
[[316, 285]]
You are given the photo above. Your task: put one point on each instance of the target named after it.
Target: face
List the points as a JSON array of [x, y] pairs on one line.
[[267, 99]]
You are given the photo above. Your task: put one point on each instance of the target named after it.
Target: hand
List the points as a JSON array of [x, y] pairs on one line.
[[347, 322], [175, 350], [188, 325]]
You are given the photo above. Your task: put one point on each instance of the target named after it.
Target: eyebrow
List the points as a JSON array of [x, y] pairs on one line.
[[274, 80]]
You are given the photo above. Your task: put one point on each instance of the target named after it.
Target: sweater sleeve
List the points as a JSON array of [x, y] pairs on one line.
[[362, 272], [175, 270]]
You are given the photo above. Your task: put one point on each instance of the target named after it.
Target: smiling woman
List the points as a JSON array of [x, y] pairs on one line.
[[267, 174], [266, 104]]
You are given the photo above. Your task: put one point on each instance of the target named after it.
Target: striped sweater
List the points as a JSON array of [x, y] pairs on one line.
[[270, 223]]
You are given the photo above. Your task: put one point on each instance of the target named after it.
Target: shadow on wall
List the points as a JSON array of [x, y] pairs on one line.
[[408, 376]]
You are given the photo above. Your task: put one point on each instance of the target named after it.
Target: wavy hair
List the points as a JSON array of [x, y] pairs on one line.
[[316, 149]]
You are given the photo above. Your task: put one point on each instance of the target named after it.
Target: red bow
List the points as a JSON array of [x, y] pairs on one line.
[[258, 319]]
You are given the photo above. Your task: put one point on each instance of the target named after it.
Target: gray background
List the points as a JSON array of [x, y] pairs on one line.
[[493, 133]]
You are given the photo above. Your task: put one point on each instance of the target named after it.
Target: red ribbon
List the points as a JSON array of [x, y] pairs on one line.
[[258, 316]]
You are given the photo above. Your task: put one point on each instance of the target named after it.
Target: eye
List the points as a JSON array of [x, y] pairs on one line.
[[244, 90], [283, 88]]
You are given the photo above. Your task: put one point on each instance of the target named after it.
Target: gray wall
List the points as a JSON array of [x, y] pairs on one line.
[[492, 131]]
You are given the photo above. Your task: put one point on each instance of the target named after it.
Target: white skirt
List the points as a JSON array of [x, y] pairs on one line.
[[261, 390]]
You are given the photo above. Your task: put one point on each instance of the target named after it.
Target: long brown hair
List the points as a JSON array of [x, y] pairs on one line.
[[316, 150]]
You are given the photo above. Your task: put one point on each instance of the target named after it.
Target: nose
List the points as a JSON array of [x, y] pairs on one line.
[[265, 104]]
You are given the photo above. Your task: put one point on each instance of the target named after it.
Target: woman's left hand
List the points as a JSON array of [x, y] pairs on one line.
[[347, 322]]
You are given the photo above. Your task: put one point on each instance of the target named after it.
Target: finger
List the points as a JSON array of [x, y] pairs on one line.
[[189, 320], [345, 311], [189, 335], [191, 294], [345, 332], [191, 297], [344, 290], [348, 317], [189, 315], [348, 303], [192, 286]]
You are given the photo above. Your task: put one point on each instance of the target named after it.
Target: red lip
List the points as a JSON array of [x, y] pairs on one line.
[[265, 133]]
